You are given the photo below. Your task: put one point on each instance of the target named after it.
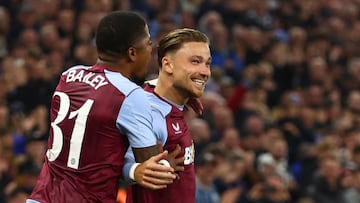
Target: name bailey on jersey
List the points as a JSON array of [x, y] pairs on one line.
[[94, 80]]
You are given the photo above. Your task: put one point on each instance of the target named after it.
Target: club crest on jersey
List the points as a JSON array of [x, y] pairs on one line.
[[176, 128]]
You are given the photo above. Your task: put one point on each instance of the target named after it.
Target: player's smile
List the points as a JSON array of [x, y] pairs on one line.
[[199, 83]]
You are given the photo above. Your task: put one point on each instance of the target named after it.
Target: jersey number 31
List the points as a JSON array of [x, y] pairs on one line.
[[77, 135]]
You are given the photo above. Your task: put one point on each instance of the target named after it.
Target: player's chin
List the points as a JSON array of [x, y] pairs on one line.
[[197, 93]]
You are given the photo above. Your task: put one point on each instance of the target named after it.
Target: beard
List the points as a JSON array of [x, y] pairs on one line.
[[187, 92]]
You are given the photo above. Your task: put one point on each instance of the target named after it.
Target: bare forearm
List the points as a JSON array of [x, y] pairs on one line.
[[143, 154]]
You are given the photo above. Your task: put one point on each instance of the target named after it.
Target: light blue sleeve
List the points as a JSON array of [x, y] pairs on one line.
[[135, 120], [159, 126], [160, 131], [129, 161], [159, 111]]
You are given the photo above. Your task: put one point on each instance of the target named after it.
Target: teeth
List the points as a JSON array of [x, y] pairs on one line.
[[201, 82]]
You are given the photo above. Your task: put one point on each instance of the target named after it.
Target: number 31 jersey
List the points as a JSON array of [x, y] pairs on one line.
[[92, 111]]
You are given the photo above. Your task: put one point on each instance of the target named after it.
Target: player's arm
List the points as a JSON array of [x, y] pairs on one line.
[[142, 154], [169, 159], [135, 121], [152, 173], [149, 173]]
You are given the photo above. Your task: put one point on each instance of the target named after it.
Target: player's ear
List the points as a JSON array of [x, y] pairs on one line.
[[167, 65], [132, 53]]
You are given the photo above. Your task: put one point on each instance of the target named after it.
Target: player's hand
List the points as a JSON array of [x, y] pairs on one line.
[[152, 175], [196, 105], [176, 163]]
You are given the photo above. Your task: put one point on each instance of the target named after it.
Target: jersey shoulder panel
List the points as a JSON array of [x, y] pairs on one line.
[[122, 83], [158, 104]]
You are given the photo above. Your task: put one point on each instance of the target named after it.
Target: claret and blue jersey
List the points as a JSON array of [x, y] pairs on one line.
[[95, 115], [170, 128]]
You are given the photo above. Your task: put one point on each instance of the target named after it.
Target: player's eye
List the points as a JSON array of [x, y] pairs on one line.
[[195, 61], [208, 63]]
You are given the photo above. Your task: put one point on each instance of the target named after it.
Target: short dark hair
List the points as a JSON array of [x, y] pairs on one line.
[[175, 39], [118, 31]]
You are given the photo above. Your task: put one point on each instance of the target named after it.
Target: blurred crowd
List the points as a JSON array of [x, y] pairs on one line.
[[281, 121]]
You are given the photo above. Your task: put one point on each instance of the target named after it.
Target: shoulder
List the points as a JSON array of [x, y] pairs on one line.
[[123, 84], [158, 105]]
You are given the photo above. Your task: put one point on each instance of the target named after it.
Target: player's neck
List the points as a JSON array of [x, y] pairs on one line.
[[119, 67], [165, 89]]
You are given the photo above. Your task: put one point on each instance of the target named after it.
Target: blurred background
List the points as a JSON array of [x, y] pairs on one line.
[[281, 121]]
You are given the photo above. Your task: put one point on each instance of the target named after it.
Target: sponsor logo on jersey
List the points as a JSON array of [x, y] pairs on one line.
[[176, 128], [189, 154]]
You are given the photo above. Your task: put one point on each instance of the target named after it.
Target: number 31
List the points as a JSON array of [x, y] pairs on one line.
[[78, 132]]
